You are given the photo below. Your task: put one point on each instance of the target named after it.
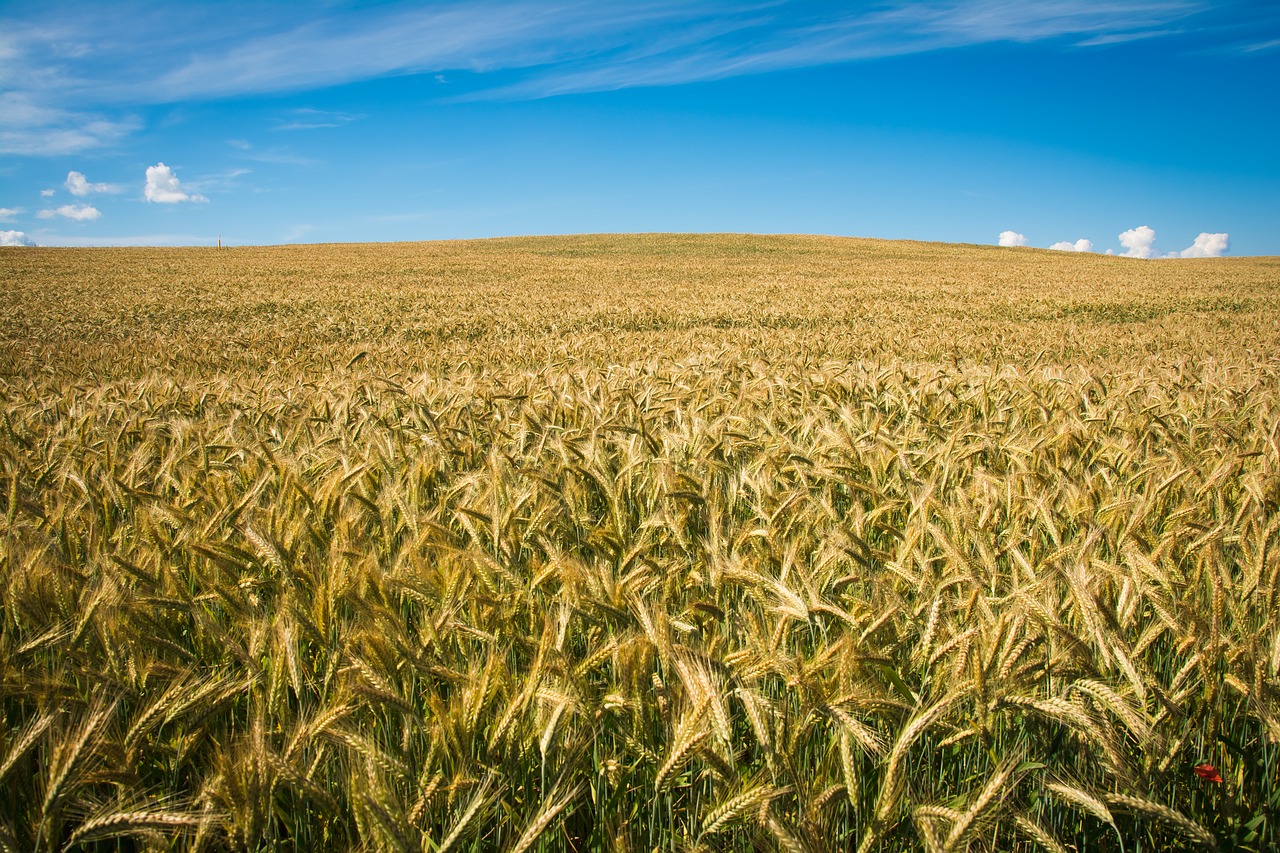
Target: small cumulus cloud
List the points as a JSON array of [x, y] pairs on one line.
[[15, 238], [77, 212], [163, 187], [79, 185], [46, 193], [7, 214], [1081, 245], [1139, 242], [1207, 246]]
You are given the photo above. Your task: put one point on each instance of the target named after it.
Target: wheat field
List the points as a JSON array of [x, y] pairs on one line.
[[637, 543]]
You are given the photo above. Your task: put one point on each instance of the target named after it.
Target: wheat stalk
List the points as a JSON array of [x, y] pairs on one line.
[[546, 813]]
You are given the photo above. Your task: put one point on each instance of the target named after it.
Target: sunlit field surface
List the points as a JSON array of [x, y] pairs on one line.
[[638, 542]]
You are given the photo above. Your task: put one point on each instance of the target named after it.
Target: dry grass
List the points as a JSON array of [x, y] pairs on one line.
[[638, 542]]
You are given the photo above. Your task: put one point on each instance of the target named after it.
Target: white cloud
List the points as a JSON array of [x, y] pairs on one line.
[[1139, 242], [163, 187], [7, 214], [1012, 238], [1080, 245], [47, 193], [1208, 246], [79, 185], [78, 212], [15, 238]]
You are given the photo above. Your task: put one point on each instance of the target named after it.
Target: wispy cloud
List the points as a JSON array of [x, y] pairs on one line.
[[297, 232], [1257, 47], [69, 77], [217, 182], [198, 51], [1109, 39], [28, 126], [955, 22], [783, 37], [280, 158], [309, 119], [399, 217], [8, 214], [350, 44], [277, 155]]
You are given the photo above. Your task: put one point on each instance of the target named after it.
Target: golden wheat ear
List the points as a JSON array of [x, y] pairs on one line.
[[552, 805], [119, 823]]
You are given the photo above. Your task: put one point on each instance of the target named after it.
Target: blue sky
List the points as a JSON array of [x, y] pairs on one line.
[[1047, 121]]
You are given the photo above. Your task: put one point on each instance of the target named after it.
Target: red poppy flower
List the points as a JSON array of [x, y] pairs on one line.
[[1208, 773]]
